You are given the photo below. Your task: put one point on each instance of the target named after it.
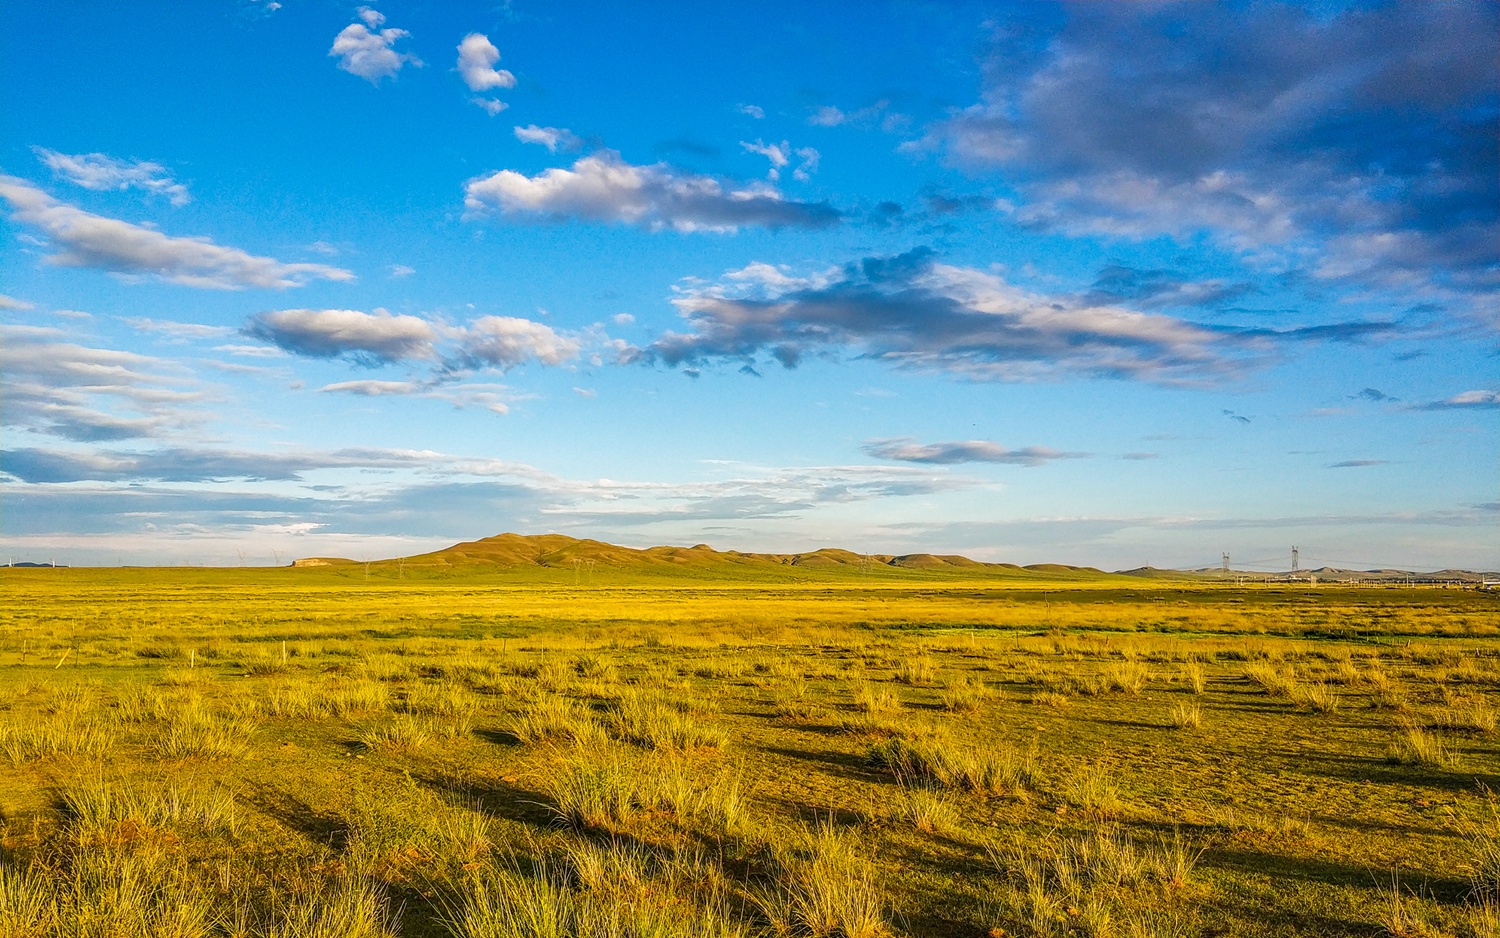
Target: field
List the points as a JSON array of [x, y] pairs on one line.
[[357, 750]]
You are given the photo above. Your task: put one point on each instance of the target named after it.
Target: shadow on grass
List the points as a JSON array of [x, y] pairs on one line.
[[322, 827]]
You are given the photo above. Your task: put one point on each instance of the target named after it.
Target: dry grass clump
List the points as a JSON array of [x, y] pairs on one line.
[[991, 770], [1418, 746], [653, 723], [1094, 884], [1468, 715], [305, 699], [876, 700], [591, 791], [1193, 676], [916, 670], [405, 733], [824, 887], [28, 740], [965, 694], [586, 890], [347, 907], [195, 731], [1050, 699], [551, 718], [928, 809], [97, 806], [1317, 697], [1093, 788], [1127, 677], [1186, 716], [1276, 681]]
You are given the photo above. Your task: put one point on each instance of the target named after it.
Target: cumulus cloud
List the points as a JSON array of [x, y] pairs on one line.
[[752, 110], [381, 338], [476, 64], [1468, 400], [603, 187], [86, 394], [552, 138], [372, 338], [1295, 139], [912, 311], [89, 240], [904, 449], [506, 341], [102, 173], [366, 50]]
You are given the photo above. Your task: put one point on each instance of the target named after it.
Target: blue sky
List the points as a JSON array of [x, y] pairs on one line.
[[1101, 284]]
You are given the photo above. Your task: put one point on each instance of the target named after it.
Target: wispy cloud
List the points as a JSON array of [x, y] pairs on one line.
[[905, 449], [913, 311], [76, 392], [89, 240], [178, 331], [1357, 463], [603, 187], [366, 50], [553, 138], [1468, 400], [101, 173]]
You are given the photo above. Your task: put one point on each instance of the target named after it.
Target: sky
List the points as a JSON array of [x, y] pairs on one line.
[[1105, 284]]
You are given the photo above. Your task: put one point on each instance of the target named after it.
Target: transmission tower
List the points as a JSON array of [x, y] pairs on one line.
[[1224, 565], [1295, 568]]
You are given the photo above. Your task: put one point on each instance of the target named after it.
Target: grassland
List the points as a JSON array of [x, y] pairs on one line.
[[476, 751]]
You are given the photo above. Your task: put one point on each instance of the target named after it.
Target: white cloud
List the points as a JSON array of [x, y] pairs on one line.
[[373, 388], [102, 173], [10, 302], [586, 392], [752, 110], [904, 449], [507, 341], [777, 153], [377, 337], [827, 116], [476, 64], [179, 331], [550, 137], [371, 55], [88, 394], [603, 187], [89, 240], [251, 351], [401, 270], [491, 106], [809, 165], [913, 312]]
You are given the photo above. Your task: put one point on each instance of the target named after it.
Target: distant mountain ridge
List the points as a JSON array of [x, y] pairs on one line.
[[560, 551]]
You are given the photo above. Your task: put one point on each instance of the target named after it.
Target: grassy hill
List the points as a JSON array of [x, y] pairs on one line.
[[537, 554]]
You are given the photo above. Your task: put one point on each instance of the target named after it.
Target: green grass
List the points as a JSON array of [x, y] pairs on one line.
[[503, 751]]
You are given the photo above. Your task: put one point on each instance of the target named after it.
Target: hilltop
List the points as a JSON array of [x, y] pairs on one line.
[[558, 551]]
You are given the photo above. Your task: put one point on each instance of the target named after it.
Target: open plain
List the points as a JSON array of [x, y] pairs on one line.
[[846, 749]]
